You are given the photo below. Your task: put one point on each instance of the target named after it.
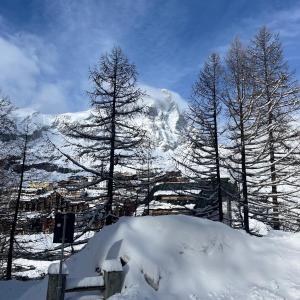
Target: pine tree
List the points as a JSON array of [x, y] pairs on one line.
[[240, 102], [202, 160], [110, 136], [22, 169], [278, 101], [16, 209]]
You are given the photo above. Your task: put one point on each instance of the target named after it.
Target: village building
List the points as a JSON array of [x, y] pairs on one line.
[[39, 202], [177, 195]]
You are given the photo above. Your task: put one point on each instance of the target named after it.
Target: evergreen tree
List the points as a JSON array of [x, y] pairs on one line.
[[16, 209], [7, 176]]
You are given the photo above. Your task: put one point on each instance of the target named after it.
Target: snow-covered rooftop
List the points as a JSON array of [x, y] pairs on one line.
[[176, 192]]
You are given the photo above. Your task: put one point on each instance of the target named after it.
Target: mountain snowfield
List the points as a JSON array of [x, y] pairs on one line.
[[187, 258], [163, 123]]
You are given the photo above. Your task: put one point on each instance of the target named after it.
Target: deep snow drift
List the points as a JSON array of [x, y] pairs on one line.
[[191, 258]]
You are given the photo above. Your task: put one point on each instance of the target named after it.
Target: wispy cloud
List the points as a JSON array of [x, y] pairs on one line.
[[286, 22], [26, 68], [45, 56], [18, 70]]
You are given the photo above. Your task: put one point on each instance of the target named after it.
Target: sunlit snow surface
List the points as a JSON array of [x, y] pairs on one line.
[[162, 122], [190, 258]]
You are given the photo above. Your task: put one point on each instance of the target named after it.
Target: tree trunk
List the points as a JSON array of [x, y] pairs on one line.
[[245, 189], [244, 174], [275, 216], [110, 184], [14, 223], [220, 203]]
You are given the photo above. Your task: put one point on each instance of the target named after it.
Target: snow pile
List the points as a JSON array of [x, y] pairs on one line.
[[112, 265], [14, 289], [85, 282], [182, 257]]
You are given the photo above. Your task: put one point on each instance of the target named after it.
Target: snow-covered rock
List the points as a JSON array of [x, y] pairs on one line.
[[165, 119]]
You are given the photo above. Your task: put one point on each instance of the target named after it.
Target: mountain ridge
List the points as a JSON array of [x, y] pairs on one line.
[[163, 123]]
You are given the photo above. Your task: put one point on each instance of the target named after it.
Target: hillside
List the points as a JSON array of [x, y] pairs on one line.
[[191, 258], [162, 122]]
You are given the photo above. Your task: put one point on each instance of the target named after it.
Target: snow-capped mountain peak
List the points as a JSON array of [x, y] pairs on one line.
[[163, 121]]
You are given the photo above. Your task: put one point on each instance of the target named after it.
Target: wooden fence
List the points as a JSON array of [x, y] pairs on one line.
[[108, 283]]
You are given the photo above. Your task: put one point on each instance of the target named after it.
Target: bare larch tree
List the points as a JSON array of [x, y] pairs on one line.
[[240, 103], [278, 101], [202, 160], [110, 136]]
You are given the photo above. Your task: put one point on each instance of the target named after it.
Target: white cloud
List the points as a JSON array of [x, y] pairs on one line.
[[25, 65], [160, 96], [18, 71], [28, 76], [287, 23], [51, 98]]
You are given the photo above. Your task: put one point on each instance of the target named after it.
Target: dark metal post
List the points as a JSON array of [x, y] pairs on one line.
[[136, 203], [148, 179], [60, 292]]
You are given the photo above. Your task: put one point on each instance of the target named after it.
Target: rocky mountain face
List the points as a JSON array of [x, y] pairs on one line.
[[165, 120]]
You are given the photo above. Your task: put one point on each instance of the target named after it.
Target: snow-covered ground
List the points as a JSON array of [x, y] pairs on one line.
[[39, 243], [14, 289], [188, 258]]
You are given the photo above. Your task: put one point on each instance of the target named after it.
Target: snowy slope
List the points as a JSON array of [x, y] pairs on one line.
[[163, 123], [191, 258], [163, 120]]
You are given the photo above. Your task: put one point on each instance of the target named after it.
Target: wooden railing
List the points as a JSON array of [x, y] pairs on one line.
[[108, 284]]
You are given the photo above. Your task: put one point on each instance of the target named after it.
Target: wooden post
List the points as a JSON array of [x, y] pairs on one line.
[[55, 280], [229, 211], [113, 277], [53, 286]]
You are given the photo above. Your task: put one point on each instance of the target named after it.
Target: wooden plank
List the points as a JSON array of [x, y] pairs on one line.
[[85, 284], [85, 289], [113, 283], [53, 284], [113, 277]]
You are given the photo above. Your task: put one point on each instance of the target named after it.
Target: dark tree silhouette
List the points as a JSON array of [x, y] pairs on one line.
[[110, 135], [202, 160]]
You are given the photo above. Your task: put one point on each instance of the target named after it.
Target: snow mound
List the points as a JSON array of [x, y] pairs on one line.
[[183, 257]]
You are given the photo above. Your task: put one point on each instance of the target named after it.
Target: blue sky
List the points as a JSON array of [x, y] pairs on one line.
[[47, 47]]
